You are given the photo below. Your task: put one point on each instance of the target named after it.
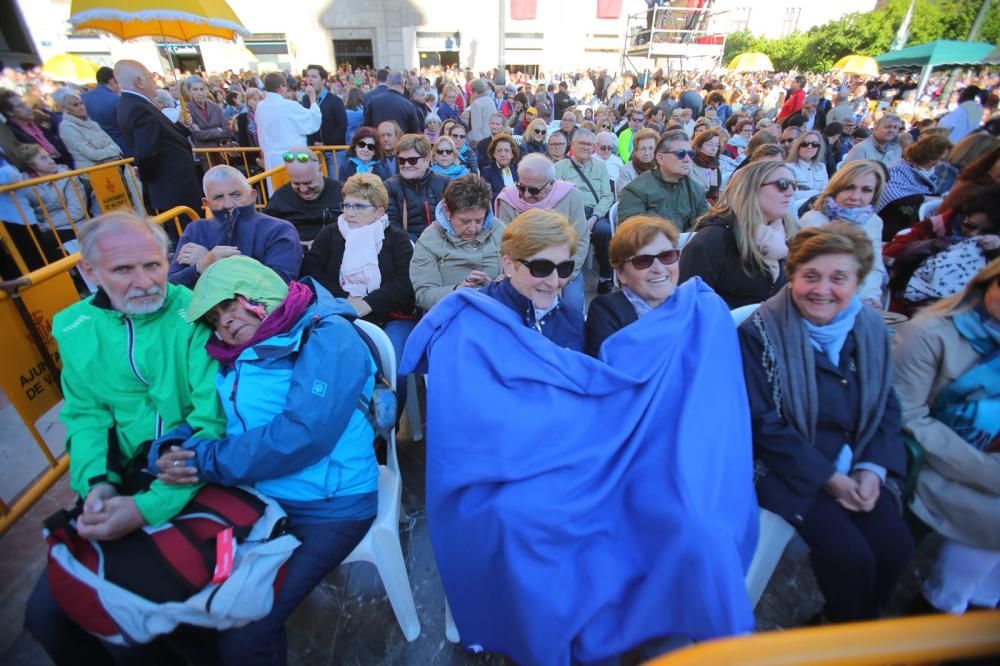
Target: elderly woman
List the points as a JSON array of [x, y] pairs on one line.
[[446, 160], [364, 156], [21, 121], [84, 139], [643, 158], [962, 154], [310, 450], [948, 381], [209, 127], [533, 139], [536, 251], [432, 127], [556, 145], [739, 248], [825, 421], [705, 170], [62, 202], [461, 249], [848, 197], [807, 160], [910, 181], [501, 169], [415, 191], [644, 255]]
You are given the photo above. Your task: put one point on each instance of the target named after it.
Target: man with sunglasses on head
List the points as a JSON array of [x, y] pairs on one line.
[[309, 200], [235, 228], [667, 191]]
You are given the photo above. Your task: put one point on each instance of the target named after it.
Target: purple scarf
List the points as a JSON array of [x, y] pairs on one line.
[[279, 321]]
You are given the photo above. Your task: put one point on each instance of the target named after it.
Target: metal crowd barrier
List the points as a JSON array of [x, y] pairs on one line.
[[241, 157], [30, 363]]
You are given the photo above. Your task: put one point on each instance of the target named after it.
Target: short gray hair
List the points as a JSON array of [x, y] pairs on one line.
[[810, 99], [538, 164], [608, 135], [90, 233], [583, 133], [395, 79], [64, 96], [166, 99], [478, 86], [432, 118], [223, 172]]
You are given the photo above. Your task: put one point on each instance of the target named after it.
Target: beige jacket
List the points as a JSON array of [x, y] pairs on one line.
[[441, 261], [958, 490]]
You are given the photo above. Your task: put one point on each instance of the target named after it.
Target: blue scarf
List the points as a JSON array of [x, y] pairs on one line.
[[641, 307], [830, 338], [363, 167], [980, 329], [452, 172], [856, 216]]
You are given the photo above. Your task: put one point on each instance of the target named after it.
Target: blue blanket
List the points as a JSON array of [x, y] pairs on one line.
[[578, 508]]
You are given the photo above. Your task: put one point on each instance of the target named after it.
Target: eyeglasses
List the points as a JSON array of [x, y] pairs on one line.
[[538, 131], [299, 157], [679, 154], [533, 191], [783, 184], [457, 136], [409, 161], [367, 145], [641, 262], [542, 268], [348, 207], [443, 151], [605, 147], [809, 144]]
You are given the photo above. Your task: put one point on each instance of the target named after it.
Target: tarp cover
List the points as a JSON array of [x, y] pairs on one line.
[[578, 507], [936, 54]]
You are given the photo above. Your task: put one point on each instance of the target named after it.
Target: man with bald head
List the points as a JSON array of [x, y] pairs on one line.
[[309, 200], [162, 153], [234, 228]]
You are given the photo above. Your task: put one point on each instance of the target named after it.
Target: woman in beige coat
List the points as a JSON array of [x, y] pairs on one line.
[[84, 138], [947, 369], [461, 249]]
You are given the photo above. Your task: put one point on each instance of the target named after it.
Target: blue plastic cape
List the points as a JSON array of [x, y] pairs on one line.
[[579, 507]]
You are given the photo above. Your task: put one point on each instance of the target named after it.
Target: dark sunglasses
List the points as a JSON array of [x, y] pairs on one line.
[[809, 144], [641, 262], [533, 191], [409, 161], [443, 151], [605, 147], [783, 184], [370, 145], [538, 131], [542, 268], [457, 136], [680, 154], [298, 157]]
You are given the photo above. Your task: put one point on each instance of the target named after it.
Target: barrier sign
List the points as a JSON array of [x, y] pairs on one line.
[[109, 188]]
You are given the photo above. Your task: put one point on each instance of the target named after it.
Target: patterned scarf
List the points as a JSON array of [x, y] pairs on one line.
[[856, 216]]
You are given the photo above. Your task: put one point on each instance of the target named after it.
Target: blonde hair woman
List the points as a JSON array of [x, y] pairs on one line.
[[533, 139], [806, 160]]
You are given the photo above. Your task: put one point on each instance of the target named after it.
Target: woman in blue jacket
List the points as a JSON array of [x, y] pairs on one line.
[[294, 375]]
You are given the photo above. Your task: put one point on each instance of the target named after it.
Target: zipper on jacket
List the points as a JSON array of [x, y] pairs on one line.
[[130, 329], [232, 396]]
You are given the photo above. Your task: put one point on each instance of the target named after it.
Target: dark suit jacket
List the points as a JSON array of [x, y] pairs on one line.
[[494, 176], [102, 108], [392, 105], [333, 130], [607, 314], [380, 89], [162, 154]]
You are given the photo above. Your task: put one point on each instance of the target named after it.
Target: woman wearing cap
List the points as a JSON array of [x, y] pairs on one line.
[[296, 431]]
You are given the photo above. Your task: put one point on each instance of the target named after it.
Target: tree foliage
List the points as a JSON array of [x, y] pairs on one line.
[[869, 33]]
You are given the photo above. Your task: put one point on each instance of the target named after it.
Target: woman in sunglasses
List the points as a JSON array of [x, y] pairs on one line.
[[643, 158], [705, 170], [533, 139], [501, 170], [848, 197], [537, 257], [826, 422], [445, 160], [739, 247], [364, 156], [807, 160], [645, 258]]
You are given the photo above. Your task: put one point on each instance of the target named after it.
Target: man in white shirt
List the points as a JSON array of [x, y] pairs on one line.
[[283, 123], [607, 152]]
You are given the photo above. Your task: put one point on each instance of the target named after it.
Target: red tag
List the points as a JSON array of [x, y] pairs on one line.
[[223, 556]]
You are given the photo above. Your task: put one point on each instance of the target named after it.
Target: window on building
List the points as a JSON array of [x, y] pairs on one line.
[[353, 52]]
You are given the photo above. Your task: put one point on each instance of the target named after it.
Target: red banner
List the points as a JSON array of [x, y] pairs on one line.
[[609, 9], [523, 10]]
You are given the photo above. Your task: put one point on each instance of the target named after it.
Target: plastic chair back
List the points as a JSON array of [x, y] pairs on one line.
[[928, 208], [613, 217], [740, 314]]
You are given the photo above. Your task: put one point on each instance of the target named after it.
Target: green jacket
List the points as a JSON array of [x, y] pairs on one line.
[[133, 377], [597, 174], [682, 202], [625, 144]]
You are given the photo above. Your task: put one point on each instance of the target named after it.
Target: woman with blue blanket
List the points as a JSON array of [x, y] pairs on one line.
[[825, 419], [948, 378]]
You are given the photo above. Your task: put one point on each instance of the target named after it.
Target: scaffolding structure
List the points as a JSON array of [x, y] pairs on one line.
[[676, 36]]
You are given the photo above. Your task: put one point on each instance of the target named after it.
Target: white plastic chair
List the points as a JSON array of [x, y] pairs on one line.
[[741, 313], [613, 217], [413, 409], [928, 207], [381, 545], [685, 238]]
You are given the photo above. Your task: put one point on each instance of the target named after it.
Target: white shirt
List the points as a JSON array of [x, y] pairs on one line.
[[613, 164], [811, 176], [282, 124]]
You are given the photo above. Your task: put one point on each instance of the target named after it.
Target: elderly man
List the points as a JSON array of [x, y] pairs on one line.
[[388, 137], [814, 119], [567, 124], [883, 145], [128, 374], [591, 178], [667, 191], [538, 187], [842, 110], [282, 122], [309, 200], [393, 106], [234, 228], [480, 108]]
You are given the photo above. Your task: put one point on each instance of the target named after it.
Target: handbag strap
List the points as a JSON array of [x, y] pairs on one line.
[[406, 206], [576, 166]]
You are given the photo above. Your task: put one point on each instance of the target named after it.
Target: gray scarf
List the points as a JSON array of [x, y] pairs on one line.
[[790, 369]]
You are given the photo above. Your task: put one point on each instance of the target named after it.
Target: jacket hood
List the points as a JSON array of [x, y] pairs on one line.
[[240, 275], [443, 221]]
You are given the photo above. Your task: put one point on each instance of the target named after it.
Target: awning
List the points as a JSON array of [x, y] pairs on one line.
[[943, 52]]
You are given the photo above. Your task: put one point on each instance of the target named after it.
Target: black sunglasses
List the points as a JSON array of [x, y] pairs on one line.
[[457, 136], [783, 184], [538, 131], [409, 161], [370, 145], [533, 191], [443, 151], [680, 154], [542, 268], [641, 262], [809, 144]]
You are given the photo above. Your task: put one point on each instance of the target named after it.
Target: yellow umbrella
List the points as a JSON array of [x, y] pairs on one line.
[[856, 64], [70, 68], [751, 62], [179, 20]]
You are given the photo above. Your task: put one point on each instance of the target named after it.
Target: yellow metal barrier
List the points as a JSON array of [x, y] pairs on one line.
[[246, 156], [915, 640]]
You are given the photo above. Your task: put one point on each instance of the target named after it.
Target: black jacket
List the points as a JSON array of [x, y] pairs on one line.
[[713, 256], [418, 197], [391, 105], [162, 154], [608, 313], [333, 129], [492, 174], [323, 260], [308, 217], [563, 101]]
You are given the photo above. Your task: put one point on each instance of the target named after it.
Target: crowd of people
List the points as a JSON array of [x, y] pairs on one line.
[[860, 231]]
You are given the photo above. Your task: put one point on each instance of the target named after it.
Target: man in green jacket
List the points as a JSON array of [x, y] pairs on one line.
[[667, 191]]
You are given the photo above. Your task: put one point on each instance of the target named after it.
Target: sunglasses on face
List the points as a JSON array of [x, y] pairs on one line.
[[679, 154], [783, 184], [538, 131], [367, 145], [298, 157], [809, 144], [533, 191], [643, 261], [605, 147], [444, 151], [458, 136], [409, 161], [542, 268]]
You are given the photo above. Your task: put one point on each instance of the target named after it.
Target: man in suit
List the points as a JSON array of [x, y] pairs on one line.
[[102, 106], [162, 153], [333, 128], [393, 105], [815, 119], [382, 75]]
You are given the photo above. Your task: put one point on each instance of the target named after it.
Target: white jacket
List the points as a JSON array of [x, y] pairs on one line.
[[871, 288], [282, 124], [810, 176]]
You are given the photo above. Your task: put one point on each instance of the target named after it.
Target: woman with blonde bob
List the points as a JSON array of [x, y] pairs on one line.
[[533, 139], [739, 249], [445, 161], [807, 160], [644, 255], [849, 197], [537, 258], [947, 364]]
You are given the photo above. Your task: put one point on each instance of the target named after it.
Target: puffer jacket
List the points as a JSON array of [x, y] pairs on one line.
[[418, 197], [442, 260]]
